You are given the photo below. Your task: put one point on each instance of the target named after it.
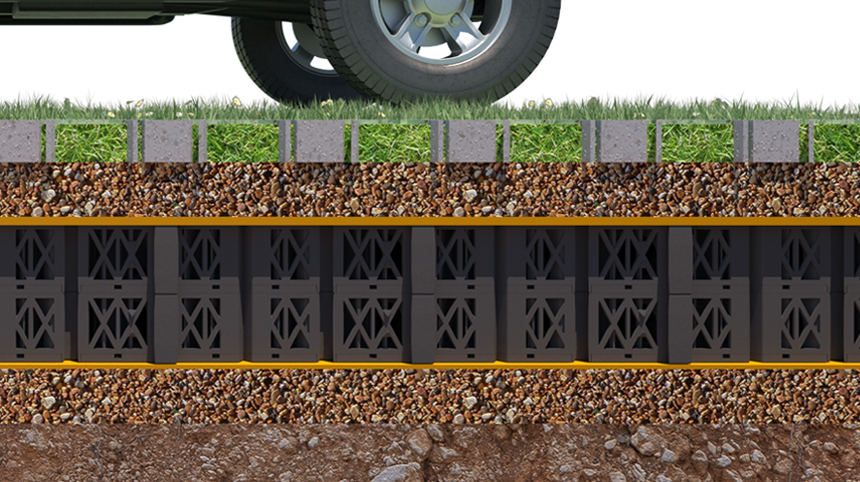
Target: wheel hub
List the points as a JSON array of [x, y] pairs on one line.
[[305, 50], [305, 35], [411, 25], [439, 13]]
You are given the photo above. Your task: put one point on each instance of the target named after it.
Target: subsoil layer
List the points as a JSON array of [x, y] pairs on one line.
[[425, 453]]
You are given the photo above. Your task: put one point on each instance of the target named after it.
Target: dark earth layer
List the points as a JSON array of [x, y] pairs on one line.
[[429, 453]]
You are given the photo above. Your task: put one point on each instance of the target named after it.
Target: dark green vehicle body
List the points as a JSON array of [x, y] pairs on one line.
[[144, 12]]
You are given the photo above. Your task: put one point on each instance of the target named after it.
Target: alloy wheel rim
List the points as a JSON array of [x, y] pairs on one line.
[[303, 47], [437, 27]]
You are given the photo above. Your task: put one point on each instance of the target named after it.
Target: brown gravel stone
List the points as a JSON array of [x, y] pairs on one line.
[[400, 396], [428, 190]]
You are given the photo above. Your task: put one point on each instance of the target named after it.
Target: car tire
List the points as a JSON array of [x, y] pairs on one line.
[[282, 73], [359, 41]]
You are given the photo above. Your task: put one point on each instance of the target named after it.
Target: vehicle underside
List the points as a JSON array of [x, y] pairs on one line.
[[113, 12], [146, 12]]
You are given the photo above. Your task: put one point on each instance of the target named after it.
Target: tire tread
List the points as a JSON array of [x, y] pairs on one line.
[[330, 26]]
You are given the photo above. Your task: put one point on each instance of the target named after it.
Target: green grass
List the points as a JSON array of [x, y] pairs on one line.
[[836, 143], [693, 142], [545, 142], [392, 142], [240, 143], [594, 108], [96, 143], [703, 133]]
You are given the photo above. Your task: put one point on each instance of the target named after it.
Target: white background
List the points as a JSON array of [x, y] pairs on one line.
[[768, 51]]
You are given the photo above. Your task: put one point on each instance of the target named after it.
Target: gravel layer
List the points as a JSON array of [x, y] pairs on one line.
[[430, 396], [408, 189]]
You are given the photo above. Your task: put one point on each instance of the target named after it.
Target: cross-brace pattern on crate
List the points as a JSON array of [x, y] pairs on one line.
[[201, 323], [627, 254], [545, 254], [712, 323], [283, 319], [373, 254], [711, 259], [117, 254], [801, 323], [36, 320], [200, 254], [35, 251], [627, 323], [290, 322], [290, 254], [372, 323], [546, 323], [117, 323], [353, 296], [801, 254], [455, 254], [456, 323]]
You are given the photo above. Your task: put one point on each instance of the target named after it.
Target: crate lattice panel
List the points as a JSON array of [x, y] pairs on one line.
[[117, 254], [373, 254], [117, 323], [290, 322], [35, 251], [200, 254], [290, 254], [801, 254], [372, 323], [627, 254]]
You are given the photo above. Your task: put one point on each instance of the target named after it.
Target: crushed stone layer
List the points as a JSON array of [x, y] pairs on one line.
[[429, 190], [431, 453], [429, 396]]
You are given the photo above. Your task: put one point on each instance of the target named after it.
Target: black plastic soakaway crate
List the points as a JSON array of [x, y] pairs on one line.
[[32, 294], [628, 294]]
